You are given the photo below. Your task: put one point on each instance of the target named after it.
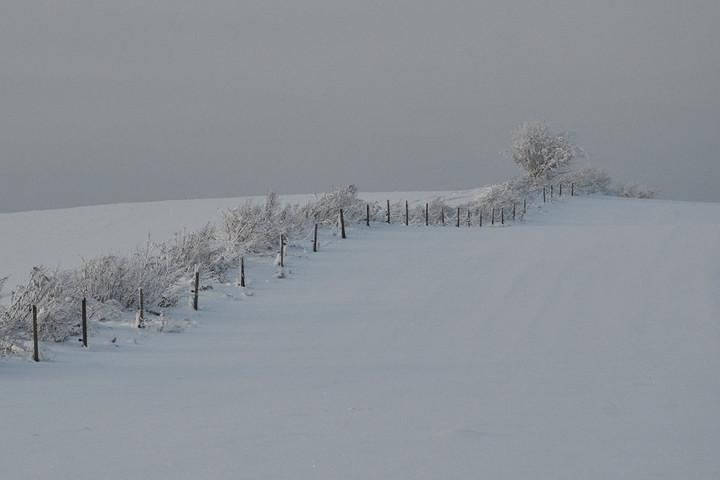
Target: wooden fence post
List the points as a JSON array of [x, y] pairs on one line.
[[242, 272], [552, 191], [315, 239], [36, 352], [560, 193], [468, 220], [367, 214], [572, 189], [543, 194], [197, 288], [427, 214], [442, 215], [492, 218], [407, 214], [282, 251], [388, 212], [141, 313], [342, 224], [84, 322], [479, 219], [524, 206], [458, 217], [502, 215], [513, 212]]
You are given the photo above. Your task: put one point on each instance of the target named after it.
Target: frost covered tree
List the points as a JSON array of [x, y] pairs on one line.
[[541, 152]]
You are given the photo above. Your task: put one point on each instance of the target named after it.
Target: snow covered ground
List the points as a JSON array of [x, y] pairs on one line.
[[582, 342]]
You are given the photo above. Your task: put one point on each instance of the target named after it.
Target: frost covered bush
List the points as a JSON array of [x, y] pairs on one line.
[[539, 151], [58, 297], [325, 209], [632, 190], [110, 283], [438, 212], [256, 228], [587, 180], [202, 247], [119, 277]]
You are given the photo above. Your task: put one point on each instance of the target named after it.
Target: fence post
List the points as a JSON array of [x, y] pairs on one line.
[[342, 223], [543, 194], [388, 212], [513, 212], [524, 206], [442, 215], [427, 214], [141, 313], [315, 239], [560, 193], [197, 287], [407, 214], [367, 214], [242, 272], [36, 353], [479, 219], [468, 220], [552, 191], [502, 215], [458, 217], [572, 189], [84, 322], [282, 251], [492, 219]]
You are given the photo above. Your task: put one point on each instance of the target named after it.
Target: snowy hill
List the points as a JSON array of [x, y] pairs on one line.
[[581, 342]]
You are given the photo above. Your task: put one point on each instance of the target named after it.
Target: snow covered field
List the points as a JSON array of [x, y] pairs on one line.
[[580, 343]]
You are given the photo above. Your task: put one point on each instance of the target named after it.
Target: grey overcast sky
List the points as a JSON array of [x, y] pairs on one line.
[[106, 101]]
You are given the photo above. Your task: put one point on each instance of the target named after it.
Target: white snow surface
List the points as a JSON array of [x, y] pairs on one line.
[[582, 342]]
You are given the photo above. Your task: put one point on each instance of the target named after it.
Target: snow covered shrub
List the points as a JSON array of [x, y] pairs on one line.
[[505, 195], [326, 208], [116, 277], [587, 180], [437, 211], [257, 228], [200, 247], [539, 151], [58, 297], [632, 190]]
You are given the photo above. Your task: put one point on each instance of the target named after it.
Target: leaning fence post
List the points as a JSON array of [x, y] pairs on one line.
[[197, 288], [36, 353], [84, 322]]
